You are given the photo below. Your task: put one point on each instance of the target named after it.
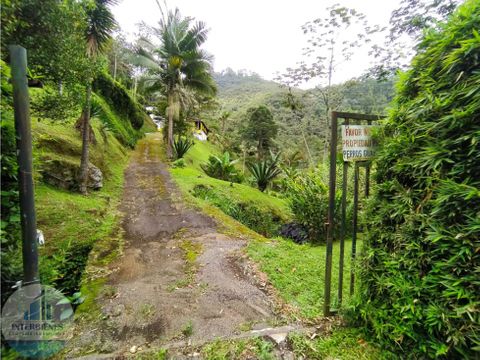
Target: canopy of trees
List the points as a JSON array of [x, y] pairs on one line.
[[239, 91]]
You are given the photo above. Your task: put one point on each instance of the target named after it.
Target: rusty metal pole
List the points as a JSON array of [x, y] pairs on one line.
[[331, 215], [18, 57], [354, 235], [342, 230], [367, 174]]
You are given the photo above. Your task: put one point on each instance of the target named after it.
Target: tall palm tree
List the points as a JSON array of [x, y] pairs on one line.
[[100, 24], [177, 66]]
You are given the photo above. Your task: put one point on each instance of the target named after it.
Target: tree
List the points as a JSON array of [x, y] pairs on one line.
[[100, 24], [178, 65], [119, 55], [296, 105], [51, 31], [260, 128], [331, 43], [407, 24]]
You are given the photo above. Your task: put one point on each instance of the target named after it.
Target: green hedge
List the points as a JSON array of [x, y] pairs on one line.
[[119, 99], [420, 273]]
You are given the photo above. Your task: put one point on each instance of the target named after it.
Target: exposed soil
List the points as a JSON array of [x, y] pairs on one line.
[[178, 278]]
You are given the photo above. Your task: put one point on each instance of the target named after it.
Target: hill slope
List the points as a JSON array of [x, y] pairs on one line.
[[238, 91]]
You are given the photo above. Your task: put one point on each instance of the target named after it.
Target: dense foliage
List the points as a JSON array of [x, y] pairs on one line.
[[119, 98], [307, 194], [10, 221], [240, 91], [420, 288], [52, 32]]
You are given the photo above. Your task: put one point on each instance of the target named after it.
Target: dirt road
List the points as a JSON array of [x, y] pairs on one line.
[[178, 278]]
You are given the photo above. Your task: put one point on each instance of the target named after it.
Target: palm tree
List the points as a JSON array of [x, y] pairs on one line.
[[177, 66], [100, 24]]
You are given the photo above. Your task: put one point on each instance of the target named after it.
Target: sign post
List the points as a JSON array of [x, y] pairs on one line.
[[18, 56], [357, 146]]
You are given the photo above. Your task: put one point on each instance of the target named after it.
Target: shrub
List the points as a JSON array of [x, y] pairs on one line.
[[181, 146], [48, 103], [11, 244], [308, 199], [180, 163], [265, 171], [420, 285], [222, 167]]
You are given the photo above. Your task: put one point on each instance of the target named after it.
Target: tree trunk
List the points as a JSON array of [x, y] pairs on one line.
[[115, 67], [83, 175], [170, 111]]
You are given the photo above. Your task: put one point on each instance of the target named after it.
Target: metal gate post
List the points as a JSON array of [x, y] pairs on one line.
[[18, 56], [354, 235], [343, 227], [331, 215]]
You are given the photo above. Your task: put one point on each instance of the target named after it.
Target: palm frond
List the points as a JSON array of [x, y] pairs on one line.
[[100, 24], [265, 171]]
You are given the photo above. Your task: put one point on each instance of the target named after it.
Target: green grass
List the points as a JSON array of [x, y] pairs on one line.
[[298, 272], [225, 193], [73, 223], [187, 330], [199, 154], [342, 343], [255, 348]]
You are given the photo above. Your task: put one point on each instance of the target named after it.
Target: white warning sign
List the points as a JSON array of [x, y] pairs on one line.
[[357, 142]]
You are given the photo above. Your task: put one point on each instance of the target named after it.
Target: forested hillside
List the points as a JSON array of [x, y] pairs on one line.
[[152, 208], [239, 91]]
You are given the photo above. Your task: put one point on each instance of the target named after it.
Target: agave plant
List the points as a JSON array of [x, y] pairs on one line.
[[181, 146], [265, 171], [221, 167]]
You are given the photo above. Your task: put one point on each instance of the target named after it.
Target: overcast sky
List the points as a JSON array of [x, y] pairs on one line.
[[263, 36]]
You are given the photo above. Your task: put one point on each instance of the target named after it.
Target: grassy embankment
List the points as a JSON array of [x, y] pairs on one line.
[[80, 229], [296, 271], [259, 211]]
